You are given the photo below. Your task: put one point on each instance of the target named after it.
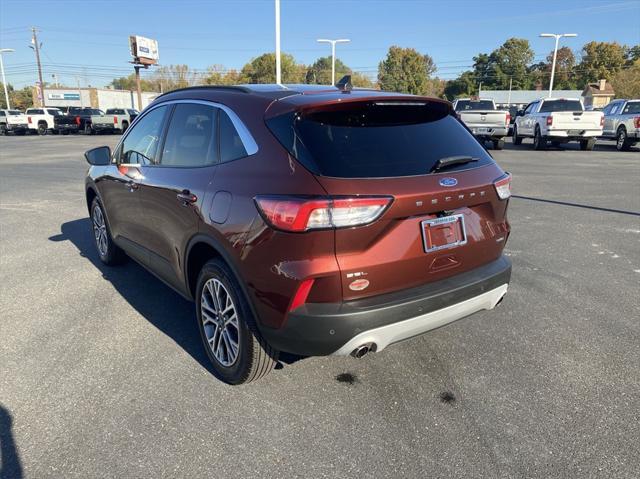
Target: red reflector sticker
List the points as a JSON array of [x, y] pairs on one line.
[[359, 284]]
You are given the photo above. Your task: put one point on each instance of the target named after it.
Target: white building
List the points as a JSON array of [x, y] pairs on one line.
[[101, 98]]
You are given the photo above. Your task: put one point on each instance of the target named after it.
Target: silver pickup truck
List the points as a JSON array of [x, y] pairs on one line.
[[485, 121], [114, 119], [622, 123]]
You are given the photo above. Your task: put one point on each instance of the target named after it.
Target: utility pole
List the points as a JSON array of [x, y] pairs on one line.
[[278, 64], [333, 54], [36, 48], [479, 89], [79, 91], [4, 80], [510, 85], [138, 87]]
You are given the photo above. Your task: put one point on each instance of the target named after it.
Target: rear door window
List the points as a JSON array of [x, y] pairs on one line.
[[376, 139], [191, 137], [632, 107]]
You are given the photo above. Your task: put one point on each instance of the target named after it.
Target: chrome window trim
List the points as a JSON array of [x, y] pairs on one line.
[[248, 142]]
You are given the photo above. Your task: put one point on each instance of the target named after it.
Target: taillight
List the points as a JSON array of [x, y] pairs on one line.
[[298, 214], [602, 120], [115, 120], [29, 119], [503, 186], [636, 122], [550, 120], [508, 119], [301, 295], [78, 120]]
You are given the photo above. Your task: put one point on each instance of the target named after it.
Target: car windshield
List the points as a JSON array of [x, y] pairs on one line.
[[560, 105], [376, 139], [465, 105], [632, 107], [14, 112]]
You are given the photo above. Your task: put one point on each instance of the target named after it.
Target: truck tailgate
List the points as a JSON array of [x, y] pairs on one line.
[[479, 119], [576, 120]]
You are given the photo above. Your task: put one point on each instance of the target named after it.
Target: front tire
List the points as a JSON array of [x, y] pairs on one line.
[[587, 145], [228, 329], [622, 141], [109, 253], [498, 144], [517, 140]]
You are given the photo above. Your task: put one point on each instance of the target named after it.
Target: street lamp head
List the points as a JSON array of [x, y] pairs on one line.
[[6, 50], [569, 34], [323, 40], [547, 35], [342, 40]]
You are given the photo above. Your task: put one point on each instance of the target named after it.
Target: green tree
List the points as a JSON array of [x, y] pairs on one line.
[[129, 83], [404, 70], [219, 75], [319, 73], [262, 69], [600, 60], [564, 78], [464, 85], [633, 54], [19, 99], [510, 63]]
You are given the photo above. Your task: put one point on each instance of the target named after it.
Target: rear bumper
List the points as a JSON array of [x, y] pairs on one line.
[[489, 132], [567, 136], [69, 127], [17, 127], [108, 126], [320, 329]]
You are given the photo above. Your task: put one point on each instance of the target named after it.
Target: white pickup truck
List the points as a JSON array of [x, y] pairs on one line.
[[485, 121], [41, 119], [13, 121], [114, 119], [558, 120]]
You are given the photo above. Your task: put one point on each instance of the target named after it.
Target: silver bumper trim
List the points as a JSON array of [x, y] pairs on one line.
[[392, 333]]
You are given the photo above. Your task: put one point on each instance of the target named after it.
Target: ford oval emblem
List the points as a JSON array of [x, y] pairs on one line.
[[448, 182]]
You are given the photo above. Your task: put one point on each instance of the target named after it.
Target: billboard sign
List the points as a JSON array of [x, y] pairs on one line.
[[63, 96], [144, 50]]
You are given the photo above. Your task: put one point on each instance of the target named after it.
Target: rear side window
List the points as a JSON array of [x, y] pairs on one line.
[[191, 138], [464, 105], [632, 107], [231, 146], [35, 111], [561, 105], [376, 139], [141, 143]]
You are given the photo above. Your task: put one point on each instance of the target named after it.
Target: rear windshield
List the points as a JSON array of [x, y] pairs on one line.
[[560, 105], [632, 107], [54, 112], [376, 139], [463, 105], [14, 112]]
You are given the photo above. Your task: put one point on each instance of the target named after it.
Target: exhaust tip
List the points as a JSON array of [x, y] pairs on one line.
[[363, 349]]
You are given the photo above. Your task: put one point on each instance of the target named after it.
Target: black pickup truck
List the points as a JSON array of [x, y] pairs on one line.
[[75, 119]]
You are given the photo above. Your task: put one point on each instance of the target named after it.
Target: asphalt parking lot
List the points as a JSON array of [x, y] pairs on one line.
[[102, 372]]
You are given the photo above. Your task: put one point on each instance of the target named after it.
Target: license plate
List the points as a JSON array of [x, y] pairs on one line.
[[480, 130], [574, 132], [443, 233]]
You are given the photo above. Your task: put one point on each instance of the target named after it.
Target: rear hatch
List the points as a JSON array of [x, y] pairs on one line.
[[438, 223]]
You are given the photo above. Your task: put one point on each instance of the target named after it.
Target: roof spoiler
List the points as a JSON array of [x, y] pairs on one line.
[[345, 85]]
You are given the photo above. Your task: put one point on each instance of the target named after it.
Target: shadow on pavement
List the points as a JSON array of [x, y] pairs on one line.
[[10, 465], [577, 205], [156, 302]]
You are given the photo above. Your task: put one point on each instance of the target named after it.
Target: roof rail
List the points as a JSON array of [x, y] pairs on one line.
[[240, 89]]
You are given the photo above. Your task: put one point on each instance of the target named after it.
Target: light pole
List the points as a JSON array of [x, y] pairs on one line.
[[278, 65], [333, 54], [557, 36], [4, 80]]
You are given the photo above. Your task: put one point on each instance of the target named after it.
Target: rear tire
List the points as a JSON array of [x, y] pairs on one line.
[[539, 143], [236, 349], [498, 144], [87, 129], [42, 128], [587, 145], [125, 125], [622, 141], [3, 130], [109, 253], [517, 140]]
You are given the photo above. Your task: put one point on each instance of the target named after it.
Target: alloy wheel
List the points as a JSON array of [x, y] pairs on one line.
[[100, 231], [622, 139], [220, 322]]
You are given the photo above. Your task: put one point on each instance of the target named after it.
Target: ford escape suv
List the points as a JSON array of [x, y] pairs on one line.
[[314, 221]]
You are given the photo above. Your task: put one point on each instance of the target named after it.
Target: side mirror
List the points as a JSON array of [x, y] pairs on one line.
[[520, 113], [100, 156]]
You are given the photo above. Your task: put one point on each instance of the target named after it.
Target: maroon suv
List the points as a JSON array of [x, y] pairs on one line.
[[316, 221]]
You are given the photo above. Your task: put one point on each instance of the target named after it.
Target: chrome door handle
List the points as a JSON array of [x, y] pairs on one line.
[[185, 197]]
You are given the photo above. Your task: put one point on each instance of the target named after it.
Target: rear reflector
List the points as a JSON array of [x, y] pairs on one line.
[[508, 120], [298, 214], [302, 294], [503, 186]]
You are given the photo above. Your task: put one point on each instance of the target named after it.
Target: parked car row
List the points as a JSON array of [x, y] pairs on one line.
[[552, 121], [65, 120]]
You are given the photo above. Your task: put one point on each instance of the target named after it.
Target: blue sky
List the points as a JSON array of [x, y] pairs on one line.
[[89, 38]]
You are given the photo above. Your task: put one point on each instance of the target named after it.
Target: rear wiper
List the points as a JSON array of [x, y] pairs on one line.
[[451, 161]]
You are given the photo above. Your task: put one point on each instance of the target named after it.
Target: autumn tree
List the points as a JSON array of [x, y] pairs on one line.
[[19, 99], [600, 60], [626, 82], [564, 78], [319, 73]]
